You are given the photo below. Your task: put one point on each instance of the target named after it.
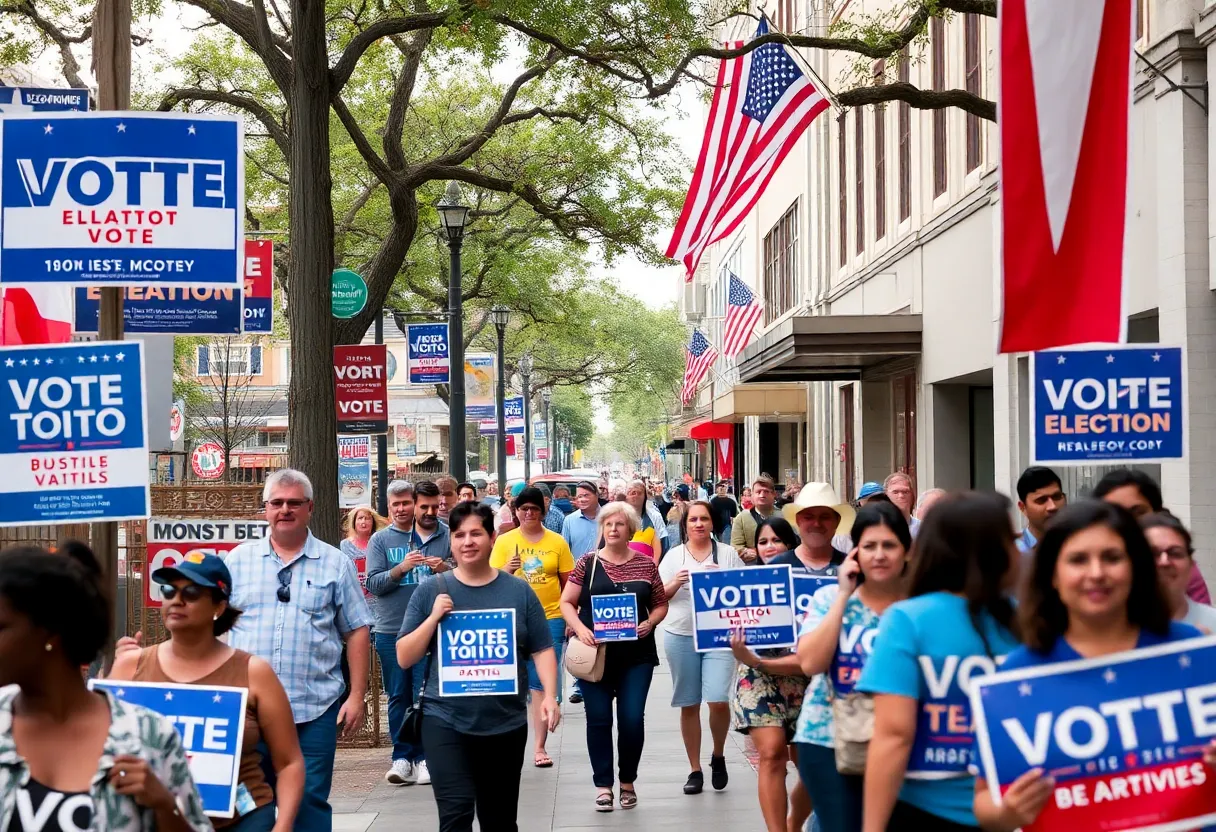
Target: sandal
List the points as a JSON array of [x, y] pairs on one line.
[[603, 802], [629, 798], [542, 760]]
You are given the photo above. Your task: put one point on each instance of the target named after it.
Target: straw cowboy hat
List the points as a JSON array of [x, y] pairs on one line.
[[815, 495]]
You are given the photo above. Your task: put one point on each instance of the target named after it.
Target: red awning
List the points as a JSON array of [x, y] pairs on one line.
[[712, 430]]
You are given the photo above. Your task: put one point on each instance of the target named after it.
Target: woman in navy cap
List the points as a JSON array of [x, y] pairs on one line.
[[196, 613]]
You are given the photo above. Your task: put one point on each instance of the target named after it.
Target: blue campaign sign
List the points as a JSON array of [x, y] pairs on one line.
[[758, 599], [615, 617], [211, 721], [166, 310], [477, 653], [1119, 403], [1122, 735], [805, 587], [15, 100], [74, 439], [428, 353], [121, 199], [513, 414]]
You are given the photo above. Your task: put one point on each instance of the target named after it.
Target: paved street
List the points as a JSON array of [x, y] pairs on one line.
[[368, 804]]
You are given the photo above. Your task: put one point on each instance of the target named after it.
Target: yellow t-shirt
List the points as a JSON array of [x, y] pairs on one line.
[[540, 564]]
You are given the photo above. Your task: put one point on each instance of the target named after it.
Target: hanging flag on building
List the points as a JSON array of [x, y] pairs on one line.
[[743, 312], [36, 315], [763, 102], [699, 356], [1066, 87]]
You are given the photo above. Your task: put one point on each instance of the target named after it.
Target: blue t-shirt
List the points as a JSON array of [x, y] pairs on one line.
[[1062, 651], [928, 649]]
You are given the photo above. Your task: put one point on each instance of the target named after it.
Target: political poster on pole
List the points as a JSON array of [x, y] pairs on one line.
[[477, 653], [15, 100], [211, 721], [479, 382], [805, 587], [1117, 404], [428, 353], [172, 540], [361, 388], [757, 599], [74, 448], [1122, 735], [258, 295], [95, 199], [513, 414], [407, 439], [614, 617], [354, 471]]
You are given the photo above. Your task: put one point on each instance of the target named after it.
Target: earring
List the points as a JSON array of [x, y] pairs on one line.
[[215, 618], [49, 647]]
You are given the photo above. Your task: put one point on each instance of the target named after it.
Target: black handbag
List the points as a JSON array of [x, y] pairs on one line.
[[411, 727]]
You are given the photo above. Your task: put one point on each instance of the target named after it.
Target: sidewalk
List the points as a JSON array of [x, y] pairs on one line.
[[366, 803]]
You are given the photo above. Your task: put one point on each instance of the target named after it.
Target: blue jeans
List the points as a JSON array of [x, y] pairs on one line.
[[401, 693], [557, 629], [629, 686], [319, 742], [259, 820], [836, 797]]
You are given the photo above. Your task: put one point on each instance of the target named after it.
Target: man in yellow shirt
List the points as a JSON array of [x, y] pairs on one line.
[[543, 559]]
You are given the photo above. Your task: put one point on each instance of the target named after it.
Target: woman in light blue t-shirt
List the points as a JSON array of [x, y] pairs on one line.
[[955, 625], [837, 637]]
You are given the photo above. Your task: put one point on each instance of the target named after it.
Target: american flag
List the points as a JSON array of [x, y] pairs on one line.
[[743, 312], [699, 357], [763, 102]]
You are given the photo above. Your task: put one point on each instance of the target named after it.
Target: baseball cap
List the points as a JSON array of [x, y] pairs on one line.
[[518, 487], [682, 490], [869, 489], [198, 568]]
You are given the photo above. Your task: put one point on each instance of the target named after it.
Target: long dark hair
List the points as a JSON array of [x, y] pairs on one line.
[[782, 528], [1043, 615], [965, 545], [882, 513], [684, 519]]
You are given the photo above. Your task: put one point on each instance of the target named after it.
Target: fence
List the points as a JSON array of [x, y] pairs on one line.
[[197, 500]]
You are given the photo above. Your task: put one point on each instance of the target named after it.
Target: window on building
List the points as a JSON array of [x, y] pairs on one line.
[[223, 358], [903, 405], [1139, 19], [781, 266], [880, 159], [905, 141], [842, 161], [938, 36], [971, 33], [859, 172], [785, 16]]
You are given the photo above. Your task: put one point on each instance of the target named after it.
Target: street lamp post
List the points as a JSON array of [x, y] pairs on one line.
[[546, 397], [499, 314], [525, 372], [454, 217]]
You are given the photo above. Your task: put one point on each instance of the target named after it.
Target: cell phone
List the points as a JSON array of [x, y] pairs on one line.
[[861, 577]]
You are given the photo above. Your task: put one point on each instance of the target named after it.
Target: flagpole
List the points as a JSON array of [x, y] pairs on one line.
[[827, 91]]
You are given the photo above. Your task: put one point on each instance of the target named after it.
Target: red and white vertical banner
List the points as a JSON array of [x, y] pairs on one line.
[[1065, 106], [361, 388]]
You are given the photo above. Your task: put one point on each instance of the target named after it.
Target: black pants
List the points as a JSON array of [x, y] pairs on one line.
[[470, 771], [908, 818]]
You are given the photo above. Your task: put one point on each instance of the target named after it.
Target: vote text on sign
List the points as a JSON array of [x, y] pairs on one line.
[[477, 653], [121, 199], [361, 388], [73, 433], [211, 721], [171, 540], [428, 353], [805, 587], [758, 599], [1122, 735], [1118, 403], [615, 617]]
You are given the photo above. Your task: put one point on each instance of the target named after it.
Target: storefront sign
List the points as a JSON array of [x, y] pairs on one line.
[[361, 388], [207, 461], [428, 353], [354, 471], [477, 653], [757, 599], [171, 540]]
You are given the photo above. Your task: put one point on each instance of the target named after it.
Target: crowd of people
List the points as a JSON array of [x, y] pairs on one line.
[[922, 587]]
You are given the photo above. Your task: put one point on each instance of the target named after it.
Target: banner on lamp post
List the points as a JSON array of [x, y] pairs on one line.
[[428, 355], [361, 388]]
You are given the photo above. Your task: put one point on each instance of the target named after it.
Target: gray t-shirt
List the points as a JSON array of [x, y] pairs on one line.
[[482, 714], [389, 547]]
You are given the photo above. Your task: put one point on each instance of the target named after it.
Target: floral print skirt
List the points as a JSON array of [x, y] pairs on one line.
[[764, 701]]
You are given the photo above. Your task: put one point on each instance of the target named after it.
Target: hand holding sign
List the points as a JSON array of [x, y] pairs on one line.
[[1025, 799], [131, 777]]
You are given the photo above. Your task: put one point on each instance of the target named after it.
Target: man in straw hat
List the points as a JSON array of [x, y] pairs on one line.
[[818, 514]]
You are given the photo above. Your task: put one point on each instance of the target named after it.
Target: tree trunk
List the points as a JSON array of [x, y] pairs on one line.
[[311, 392]]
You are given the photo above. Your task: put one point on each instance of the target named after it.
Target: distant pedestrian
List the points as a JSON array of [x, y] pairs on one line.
[[1040, 496], [301, 600], [448, 496], [927, 500], [1174, 555], [818, 515], [724, 509], [561, 501], [466, 492], [743, 531], [901, 491]]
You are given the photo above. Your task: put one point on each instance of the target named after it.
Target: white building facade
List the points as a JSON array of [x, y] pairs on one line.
[[876, 253]]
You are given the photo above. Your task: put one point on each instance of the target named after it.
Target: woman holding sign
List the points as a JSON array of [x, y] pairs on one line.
[[836, 638], [956, 623], [1093, 591]]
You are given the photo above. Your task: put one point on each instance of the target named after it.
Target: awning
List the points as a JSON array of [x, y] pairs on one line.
[[675, 445], [769, 402], [711, 430], [830, 347]]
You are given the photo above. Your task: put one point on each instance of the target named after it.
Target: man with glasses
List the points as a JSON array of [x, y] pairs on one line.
[[301, 599], [898, 487], [399, 558]]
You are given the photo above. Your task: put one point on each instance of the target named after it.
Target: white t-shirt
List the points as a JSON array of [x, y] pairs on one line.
[[679, 606], [1200, 615]]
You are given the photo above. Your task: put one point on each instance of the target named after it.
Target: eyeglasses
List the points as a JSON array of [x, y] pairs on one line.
[[284, 590], [291, 504], [190, 592], [528, 509], [1174, 553]]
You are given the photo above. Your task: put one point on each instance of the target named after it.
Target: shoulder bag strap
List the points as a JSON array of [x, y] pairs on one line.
[[426, 668]]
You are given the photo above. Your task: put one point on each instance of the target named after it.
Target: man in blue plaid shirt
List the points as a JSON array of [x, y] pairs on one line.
[[301, 600]]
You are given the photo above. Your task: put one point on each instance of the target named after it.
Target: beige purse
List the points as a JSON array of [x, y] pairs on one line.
[[853, 724], [583, 662]]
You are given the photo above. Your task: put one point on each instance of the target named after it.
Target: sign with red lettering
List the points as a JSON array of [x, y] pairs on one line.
[[361, 388], [208, 461], [171, 540], [258, 314]]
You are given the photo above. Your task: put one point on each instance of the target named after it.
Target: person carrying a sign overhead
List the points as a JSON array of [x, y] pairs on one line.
[[65, 751], [196, 613], [1093, 591]]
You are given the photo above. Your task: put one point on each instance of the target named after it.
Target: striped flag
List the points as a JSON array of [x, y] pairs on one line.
[[743, 312], [699, 357], [763, 102]]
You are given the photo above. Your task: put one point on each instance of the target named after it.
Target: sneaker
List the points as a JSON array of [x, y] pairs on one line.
[[695, 783], [422, 775], [718, 776], [575, 698], [401, 774]]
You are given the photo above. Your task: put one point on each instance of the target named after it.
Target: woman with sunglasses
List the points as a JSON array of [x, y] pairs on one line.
[[196, 612]]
